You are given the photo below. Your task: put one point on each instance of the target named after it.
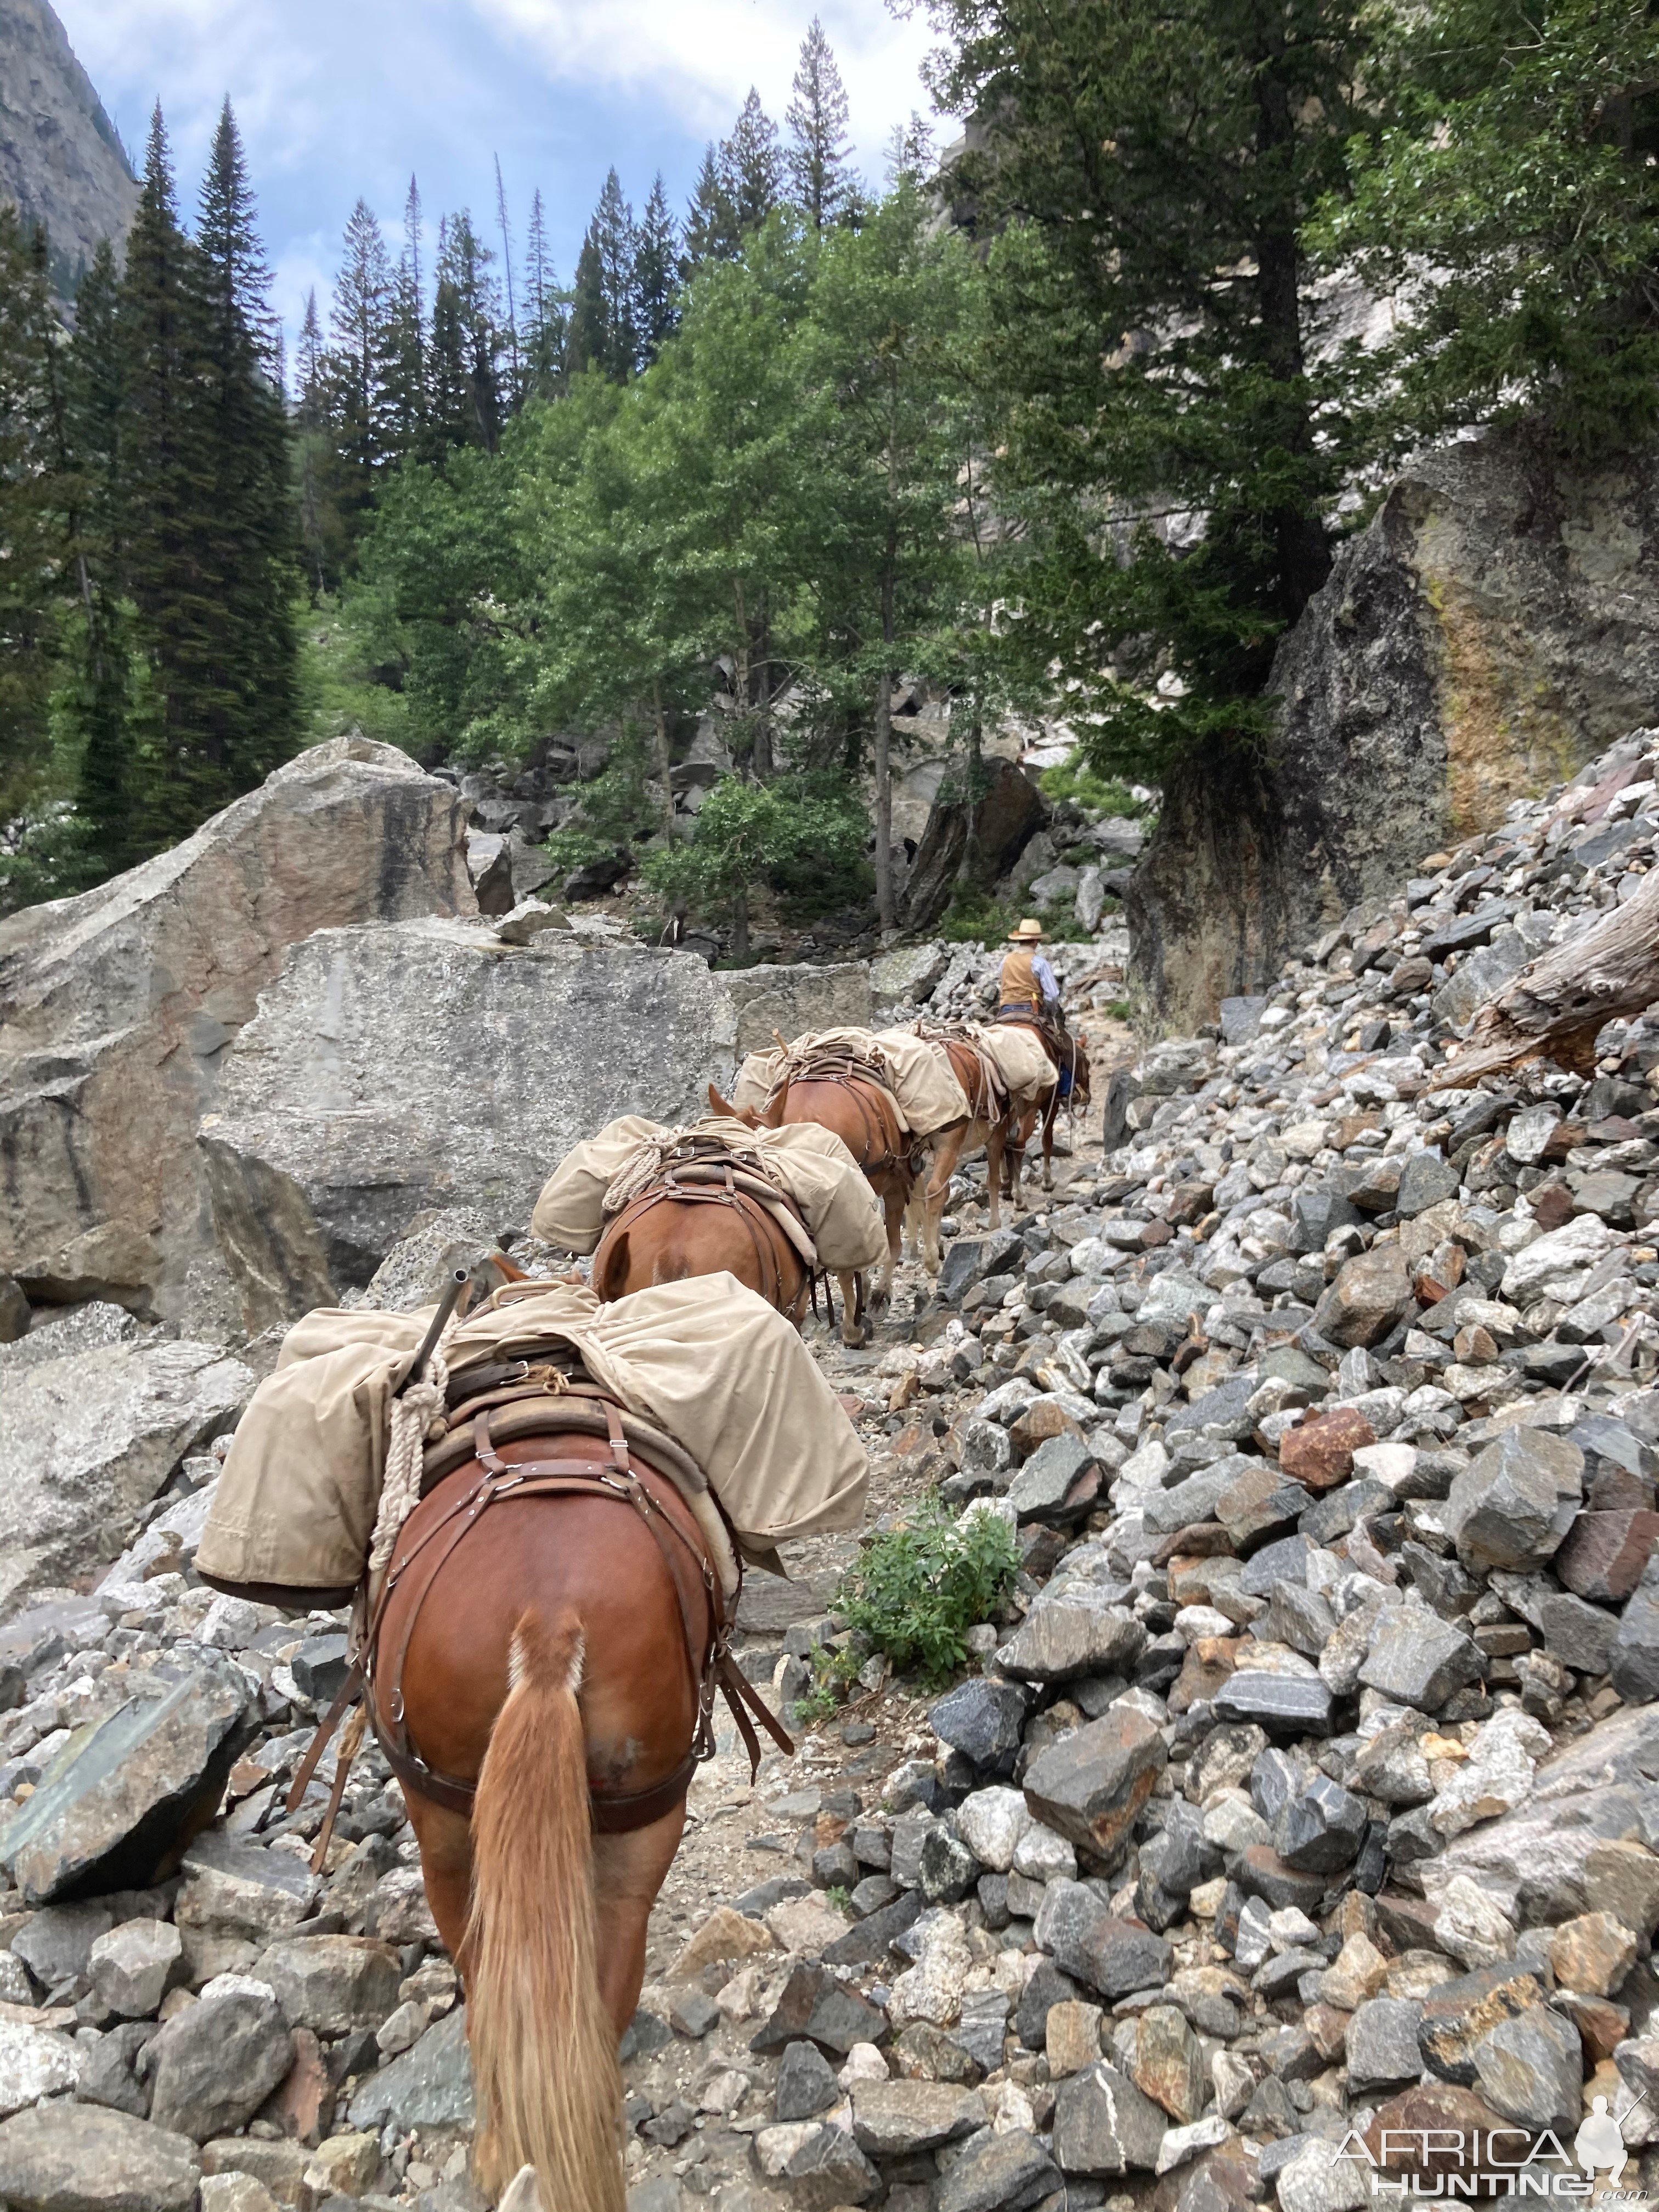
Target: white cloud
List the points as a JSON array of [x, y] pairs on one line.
[[703, 55]]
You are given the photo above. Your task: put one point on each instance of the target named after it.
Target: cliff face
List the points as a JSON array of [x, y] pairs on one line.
[[1496, 626], [60, 160]]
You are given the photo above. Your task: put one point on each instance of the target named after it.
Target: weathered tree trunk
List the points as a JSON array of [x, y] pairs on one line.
[[740, 925], [1557, 1006], [886, 904]]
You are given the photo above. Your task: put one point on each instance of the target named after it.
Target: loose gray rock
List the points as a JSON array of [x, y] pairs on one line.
[[64, 2157], [1382, 2045], [331, 1983], [982, 1720], [806, 2086], [1513, 1505], [428, 2086], [1531, 2068], [1091, 1787], [106, 1814], [132, 1967], [213, 2065], [1104, 2125], [997, 2173], [1419, 1660]]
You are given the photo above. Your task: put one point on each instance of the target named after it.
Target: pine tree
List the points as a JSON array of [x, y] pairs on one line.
[[406, 365], [168, 488], [655, 276], [31, 537], [751, 165], [821, 176], [603, 335], [360, 364], [451, 419], [96, 703], [473, 334], [317, 466], [711, 222], [545, 336], [248, 695], [516, 385]]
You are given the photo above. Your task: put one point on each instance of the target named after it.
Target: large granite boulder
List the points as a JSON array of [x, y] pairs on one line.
[[96, 1420], [395, 1068], [116, 1008], [790, 1000], [1495, 627], [1008, 814]]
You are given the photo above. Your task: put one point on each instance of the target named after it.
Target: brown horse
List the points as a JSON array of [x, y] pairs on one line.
[[699, 1219], [525, 1673], [863, 1114], [1062, 1049], [989, 1123]]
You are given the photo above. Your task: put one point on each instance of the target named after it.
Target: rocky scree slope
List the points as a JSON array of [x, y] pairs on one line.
[[1306, 1788]]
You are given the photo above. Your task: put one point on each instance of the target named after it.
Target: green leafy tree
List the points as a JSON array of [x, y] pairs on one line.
[[889, 438], [1513, 213], [748, 836], [822, 179], [1149, 172]]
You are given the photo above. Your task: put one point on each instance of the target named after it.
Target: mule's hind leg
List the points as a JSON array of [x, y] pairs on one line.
[[853, 1331], [446, 1842], [628, 1872]]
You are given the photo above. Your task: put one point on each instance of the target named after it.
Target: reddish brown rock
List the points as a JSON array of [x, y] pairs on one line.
[[1604, 1555], [1205, 1668], [303, 2106], [1036, 1426], [1449, 2117], [1551, 1207], [1321, 1452]]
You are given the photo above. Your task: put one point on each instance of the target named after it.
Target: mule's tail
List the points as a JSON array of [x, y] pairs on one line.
[[544, 2049]]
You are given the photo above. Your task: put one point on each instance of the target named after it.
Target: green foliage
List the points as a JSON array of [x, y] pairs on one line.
[[1096, 797], [1524, 171], [797, 836], [1172, 444], [918, 1589], [834, 1674], [975, 918]]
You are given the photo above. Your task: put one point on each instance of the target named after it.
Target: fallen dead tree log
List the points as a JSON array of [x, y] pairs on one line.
[[1559, 1005]]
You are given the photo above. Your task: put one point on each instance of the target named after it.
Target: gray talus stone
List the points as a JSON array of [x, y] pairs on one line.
[[64, 2157], [114, 1802], [1321, 1827], [997, 2173], [1091, 1787], [1103, 2124], [115, 1006], [1514, 1503], [806, 2085], [132, 1967], [235, 1887], [1370, 1295], [982, 1720], [331, 1983], [1273, 1700], [89, 1438], [394, 1067], [1055, 1471], [429, 2086], [894, 2120], [1063, 1637], [1531, 2068], [1419, 1660], [1381, 2044], [1634, 1662], [214, 2064], [1088, 1942], [34, 2062]]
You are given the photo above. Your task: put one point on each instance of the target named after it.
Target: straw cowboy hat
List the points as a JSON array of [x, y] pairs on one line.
[[1028, 933]]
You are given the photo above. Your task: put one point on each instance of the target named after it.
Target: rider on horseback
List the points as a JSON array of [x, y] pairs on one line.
[[1030, 989]]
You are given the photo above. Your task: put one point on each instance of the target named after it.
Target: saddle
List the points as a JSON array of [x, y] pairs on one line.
[[703, 1170], [857, 1072], [987, 1099], [506, 1402]]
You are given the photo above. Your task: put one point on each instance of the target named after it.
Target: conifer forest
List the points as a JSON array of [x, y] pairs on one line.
[[1065, 419]]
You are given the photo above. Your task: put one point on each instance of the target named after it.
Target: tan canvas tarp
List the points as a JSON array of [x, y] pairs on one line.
[[925, 1090], [1026, 1071], [706, 1360], [809, 1166]]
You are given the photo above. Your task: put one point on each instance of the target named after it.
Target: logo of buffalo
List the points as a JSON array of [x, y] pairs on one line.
[[1452, 2162]]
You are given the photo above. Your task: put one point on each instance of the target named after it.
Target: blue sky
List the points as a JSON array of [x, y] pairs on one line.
[[342, 97]]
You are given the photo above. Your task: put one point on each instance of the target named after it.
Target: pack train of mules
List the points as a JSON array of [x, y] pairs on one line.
[[539, 1667]]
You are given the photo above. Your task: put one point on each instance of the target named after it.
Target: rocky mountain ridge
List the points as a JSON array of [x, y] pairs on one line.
[[61, 159]]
